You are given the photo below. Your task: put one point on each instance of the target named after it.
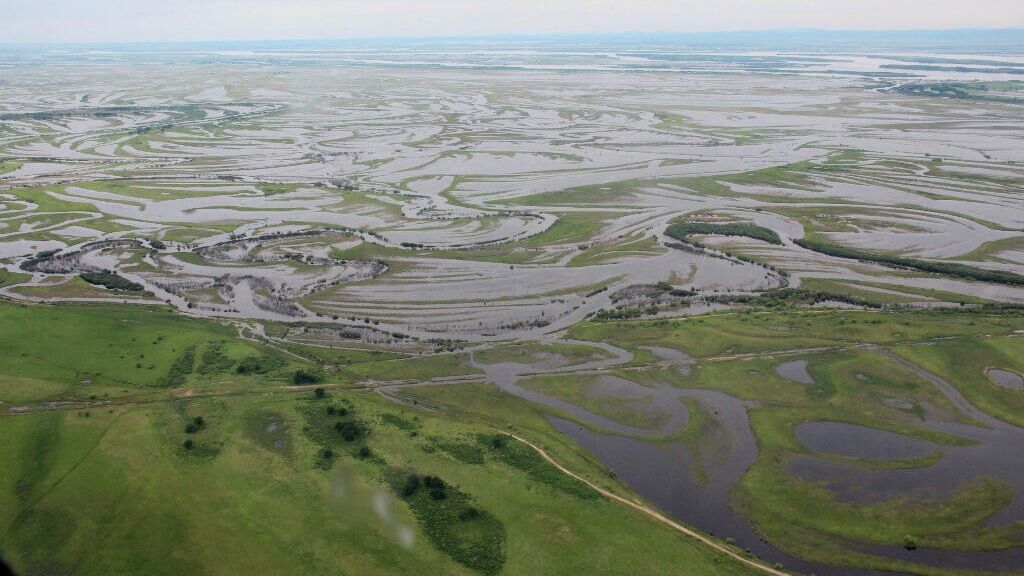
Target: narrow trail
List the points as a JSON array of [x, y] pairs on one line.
[[70, 470], [657, 516], [951, 393]]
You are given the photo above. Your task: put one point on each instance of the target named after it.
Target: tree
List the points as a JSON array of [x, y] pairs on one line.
[[349, 431], [188, 444], [319, 393], [412, 484], [364, 452]]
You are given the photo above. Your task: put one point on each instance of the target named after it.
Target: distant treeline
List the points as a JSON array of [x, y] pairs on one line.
[[962, 90], [683, 230], [785, 297], [947, 268], [961, 69]]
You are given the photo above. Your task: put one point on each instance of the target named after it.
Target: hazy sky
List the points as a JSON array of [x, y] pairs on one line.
[[134, 20]]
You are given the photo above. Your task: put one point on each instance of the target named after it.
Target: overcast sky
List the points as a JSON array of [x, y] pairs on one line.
[[150, 20]]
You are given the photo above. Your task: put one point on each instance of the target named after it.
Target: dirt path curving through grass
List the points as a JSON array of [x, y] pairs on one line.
[[706, 540]]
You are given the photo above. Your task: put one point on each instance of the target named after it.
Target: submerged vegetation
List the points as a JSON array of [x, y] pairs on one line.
[[936, 267], [112, 281], [683, 230]]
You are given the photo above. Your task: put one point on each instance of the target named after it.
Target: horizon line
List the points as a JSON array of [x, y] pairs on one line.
[[514, 36]]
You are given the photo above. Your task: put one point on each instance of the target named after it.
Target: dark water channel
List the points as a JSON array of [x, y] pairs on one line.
[[860, 442], [663, 473]]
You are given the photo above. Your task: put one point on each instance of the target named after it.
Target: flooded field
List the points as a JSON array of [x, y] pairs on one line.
[[482, 204], [455, 200]]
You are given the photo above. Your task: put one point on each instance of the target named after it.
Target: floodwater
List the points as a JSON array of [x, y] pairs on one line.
[[665, 473], [660, 400], [437, 164], [1005, 378], [682, 361], [856, 441]]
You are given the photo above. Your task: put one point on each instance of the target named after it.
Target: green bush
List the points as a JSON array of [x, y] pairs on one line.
[[259, 365], [470, 536]]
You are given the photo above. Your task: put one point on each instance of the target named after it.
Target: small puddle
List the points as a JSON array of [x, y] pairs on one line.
[[795, 370], [1005, 378]]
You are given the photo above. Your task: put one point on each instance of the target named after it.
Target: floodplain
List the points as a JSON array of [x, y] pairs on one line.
[[534, 311]]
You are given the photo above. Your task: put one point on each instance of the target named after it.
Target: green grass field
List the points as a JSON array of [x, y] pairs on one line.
[[174, 439], [133, 486]]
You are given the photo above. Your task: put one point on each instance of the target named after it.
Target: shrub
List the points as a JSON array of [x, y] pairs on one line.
[[303, 376], [470, 536], [350, 431], [258, 365]]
